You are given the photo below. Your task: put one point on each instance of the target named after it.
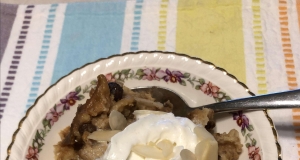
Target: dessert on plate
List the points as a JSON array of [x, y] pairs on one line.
[[119, 124]]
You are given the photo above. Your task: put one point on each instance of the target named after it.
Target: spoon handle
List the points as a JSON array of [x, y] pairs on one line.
[[289, 99]]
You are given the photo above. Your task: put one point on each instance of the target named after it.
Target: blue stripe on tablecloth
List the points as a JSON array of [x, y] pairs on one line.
[[42, 57], [90, 31], [16, 59], [136, 25]]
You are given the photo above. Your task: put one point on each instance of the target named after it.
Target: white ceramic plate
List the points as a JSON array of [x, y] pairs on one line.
[[197, 81]]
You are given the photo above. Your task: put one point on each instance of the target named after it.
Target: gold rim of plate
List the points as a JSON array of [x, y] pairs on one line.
[[136, 53]]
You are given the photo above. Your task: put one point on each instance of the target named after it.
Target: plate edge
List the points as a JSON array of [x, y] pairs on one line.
[[136, 53]]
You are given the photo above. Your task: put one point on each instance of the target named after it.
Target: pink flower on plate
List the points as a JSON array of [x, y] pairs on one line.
[[152, 74], [110, 78], [55, 113], [210, 89], [70, 100], [32, 154], [173, 76], [253, 153]]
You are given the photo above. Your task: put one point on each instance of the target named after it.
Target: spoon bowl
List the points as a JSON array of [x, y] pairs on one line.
[[289, 99]]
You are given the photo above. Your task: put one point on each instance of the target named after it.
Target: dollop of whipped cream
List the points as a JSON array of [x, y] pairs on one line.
[[153, 127]]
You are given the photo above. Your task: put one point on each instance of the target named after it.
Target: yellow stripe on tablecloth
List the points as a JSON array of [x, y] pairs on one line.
[[162, 29], [213, 31], [259, 49]]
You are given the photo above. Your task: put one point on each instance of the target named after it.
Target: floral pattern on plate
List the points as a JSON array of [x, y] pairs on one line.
[[52, 117], [157, 74], [154, 74], [243, 122]]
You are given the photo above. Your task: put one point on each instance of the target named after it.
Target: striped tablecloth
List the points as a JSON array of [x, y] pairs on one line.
[[258, 41]]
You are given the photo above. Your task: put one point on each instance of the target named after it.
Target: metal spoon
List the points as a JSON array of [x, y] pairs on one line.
[[289, 99]]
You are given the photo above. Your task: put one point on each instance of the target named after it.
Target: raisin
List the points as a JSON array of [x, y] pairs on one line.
[[116, 90], [210, 125], [77, 146], [87, 127]]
